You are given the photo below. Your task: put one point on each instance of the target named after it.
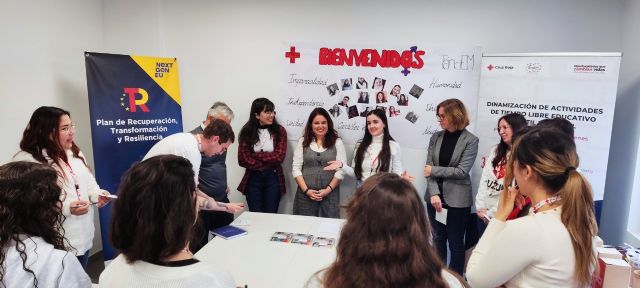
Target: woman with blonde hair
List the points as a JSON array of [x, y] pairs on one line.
[[385, 241], [450, 156], [553, 245]]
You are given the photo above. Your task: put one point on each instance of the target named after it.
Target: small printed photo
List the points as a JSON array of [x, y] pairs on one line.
[[353, 112], [403, 100], [378, 84], [344, 102], [363, 97], [383, 108], [362, 84], [366, 111], [416, 91], [393, 111], [332, 89], [304, 239], [381, 97], [335, 111], [281, 237], [395, 91], [412, 117], [346, 84], [323, 242]]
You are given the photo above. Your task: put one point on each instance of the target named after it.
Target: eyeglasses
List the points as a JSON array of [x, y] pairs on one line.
[[68, 128], [440, 117], [269, 112]]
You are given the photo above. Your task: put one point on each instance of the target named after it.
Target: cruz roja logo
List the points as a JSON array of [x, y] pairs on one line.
[[133, 103]]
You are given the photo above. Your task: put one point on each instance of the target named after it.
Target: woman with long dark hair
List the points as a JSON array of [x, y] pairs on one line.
[[263, 145], [318, 192], [450, 156], [33, 247], [554, 244], [375, 152], [48, 139], [493, 171], [152, 226], [385, 241]]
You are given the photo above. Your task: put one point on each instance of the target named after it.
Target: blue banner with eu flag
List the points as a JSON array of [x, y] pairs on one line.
[[134, 102]]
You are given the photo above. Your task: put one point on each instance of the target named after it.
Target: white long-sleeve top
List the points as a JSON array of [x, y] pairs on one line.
[[141, 274], [296, 169], [491, 184], [370, 159], [52, 267], [532, 251], [78, 229]]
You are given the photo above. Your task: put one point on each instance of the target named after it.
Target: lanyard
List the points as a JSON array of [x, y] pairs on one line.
[[544, 202], [75, 180], [374, 160]]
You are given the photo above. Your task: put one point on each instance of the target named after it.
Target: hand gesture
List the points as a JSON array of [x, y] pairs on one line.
[[427, 170], [103, 199], [234, 207], [314, 195], [406, 176], [436, 203], [506, 203], [333, 165], [79, 207]]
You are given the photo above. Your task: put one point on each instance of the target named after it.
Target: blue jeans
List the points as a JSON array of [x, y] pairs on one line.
[[453, 233], [84, 260], [263, 191]]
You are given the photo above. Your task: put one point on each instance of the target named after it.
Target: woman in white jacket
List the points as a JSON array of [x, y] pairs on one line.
[[493, 169], [48, 139]]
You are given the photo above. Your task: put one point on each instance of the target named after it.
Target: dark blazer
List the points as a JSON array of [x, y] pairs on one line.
[[456, 180]]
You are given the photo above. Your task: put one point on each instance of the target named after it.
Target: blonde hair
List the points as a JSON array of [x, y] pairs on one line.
[[552, 155], [455, 112]]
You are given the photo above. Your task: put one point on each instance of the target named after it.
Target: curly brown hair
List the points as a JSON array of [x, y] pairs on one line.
[[29, 205]]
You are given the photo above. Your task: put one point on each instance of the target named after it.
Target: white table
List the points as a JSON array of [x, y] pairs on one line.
[[256, 261]]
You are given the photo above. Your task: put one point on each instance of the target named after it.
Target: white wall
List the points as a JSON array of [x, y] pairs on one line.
[[42, 48], [618, 203], [231, 51]]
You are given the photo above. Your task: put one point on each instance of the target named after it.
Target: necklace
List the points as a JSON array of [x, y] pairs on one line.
[[547, 201]]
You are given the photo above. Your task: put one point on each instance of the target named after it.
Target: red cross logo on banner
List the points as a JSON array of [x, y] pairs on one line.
[[292, 54], [490, 67]]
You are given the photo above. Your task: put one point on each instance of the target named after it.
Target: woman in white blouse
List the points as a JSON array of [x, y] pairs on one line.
[[318, 192], [375, 152], [551, 247], [48, 139]]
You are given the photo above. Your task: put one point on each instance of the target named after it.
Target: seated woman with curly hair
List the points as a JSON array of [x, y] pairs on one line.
[[33, 248]]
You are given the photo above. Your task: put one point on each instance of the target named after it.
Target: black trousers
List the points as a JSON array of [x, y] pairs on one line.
[[453, 233]]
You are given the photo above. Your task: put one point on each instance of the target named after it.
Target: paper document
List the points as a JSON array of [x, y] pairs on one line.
[[442, 216]]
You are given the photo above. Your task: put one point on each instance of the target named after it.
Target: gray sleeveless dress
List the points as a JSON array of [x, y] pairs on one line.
[[316, 178]]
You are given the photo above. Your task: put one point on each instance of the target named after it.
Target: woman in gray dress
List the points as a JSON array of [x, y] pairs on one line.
[[318, 192]]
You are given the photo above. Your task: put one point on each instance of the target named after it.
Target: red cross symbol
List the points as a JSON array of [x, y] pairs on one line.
[[490, 67], [292, 54]]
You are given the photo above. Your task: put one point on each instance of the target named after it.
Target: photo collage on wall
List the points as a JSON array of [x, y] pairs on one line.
[[357, 96]]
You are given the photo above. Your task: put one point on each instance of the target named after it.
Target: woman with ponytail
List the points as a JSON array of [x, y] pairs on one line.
[[553, 244]]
